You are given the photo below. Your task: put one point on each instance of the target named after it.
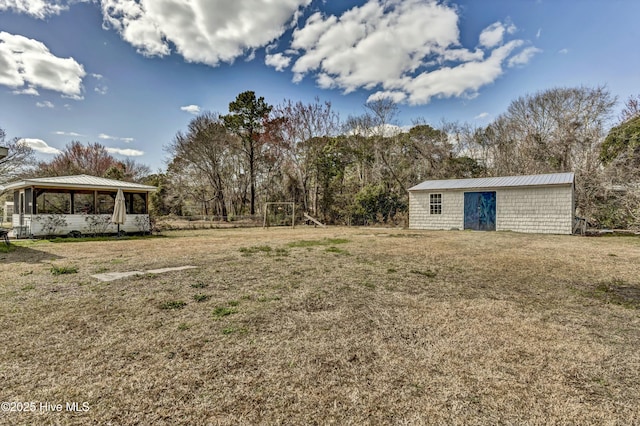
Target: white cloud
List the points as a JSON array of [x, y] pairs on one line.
[[27, 91], [115, 138], [386, 130], [126, 152], [39, 145], [191, 109], [374, 44], [481, 116], [396, 97], [563, 51], [539, 33], [523, 57], [101, 88], [492, 35], [462, 55], [72, 134], [278, 61], [462, 80], [28, 62], [204, 31], [44, 104], [37, 8], [403, 50]]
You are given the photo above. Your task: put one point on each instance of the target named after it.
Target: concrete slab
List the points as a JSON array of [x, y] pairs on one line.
[[112, 276]]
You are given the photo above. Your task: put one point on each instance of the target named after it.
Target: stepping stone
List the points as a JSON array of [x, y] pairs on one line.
[[112, 276]]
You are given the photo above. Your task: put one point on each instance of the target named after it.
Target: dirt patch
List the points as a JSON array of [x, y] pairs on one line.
[[618, 291]]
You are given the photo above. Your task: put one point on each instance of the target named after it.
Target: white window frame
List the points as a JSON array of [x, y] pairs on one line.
[[435, 204]]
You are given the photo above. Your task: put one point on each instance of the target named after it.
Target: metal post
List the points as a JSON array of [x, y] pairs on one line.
[[266, 208]]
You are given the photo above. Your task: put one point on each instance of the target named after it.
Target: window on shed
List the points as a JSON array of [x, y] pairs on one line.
[[435, 203]]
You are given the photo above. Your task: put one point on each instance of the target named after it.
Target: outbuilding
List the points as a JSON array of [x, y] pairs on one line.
[[533, 203], [75, 205]]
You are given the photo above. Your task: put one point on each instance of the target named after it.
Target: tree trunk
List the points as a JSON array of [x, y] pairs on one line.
[[252, 178]]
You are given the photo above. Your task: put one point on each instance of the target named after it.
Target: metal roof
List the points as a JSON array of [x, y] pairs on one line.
[[496, 182], [78, 181]]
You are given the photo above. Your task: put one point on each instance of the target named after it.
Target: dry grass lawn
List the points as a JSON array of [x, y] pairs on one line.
[[325, 326]]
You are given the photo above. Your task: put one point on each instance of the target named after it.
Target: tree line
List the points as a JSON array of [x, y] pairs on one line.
[[358, 170]]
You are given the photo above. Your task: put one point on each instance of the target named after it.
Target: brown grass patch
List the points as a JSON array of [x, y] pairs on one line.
[[335, 325]]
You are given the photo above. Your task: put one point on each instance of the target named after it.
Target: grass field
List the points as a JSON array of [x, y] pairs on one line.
[[324, 326]]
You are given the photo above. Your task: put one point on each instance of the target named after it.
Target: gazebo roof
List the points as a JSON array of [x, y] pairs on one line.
[[78, 182]]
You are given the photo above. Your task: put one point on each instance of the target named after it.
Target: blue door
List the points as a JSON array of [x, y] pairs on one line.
[[480, 211]]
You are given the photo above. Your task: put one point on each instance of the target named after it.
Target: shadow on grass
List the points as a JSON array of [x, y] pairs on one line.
[[619, 292], [18, 254], [105, 238]]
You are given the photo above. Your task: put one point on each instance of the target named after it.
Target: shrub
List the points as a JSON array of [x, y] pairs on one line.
[[375, 203], [97, 223], [51, 223]]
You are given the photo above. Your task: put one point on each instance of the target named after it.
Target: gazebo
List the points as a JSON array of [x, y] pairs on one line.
[[76, 205]]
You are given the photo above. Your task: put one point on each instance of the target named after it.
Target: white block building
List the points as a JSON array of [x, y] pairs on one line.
[[535, 203]]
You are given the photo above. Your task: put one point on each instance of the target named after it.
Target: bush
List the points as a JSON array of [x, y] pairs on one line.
[[375, 204], [51, 223], [97, 223]]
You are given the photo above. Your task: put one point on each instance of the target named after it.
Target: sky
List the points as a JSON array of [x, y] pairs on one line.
[[130, 74]]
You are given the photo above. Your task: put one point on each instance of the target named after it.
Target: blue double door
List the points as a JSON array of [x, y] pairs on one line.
[[480, 211]]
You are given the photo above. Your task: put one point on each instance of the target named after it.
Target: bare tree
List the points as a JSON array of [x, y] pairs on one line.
[[631, 109], [621, 156], [92, 159], [557, 130], [206, 149], [19, 157], [298, 124], [371, 134]]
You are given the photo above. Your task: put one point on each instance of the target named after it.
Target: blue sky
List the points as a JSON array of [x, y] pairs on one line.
[[129, 74]]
